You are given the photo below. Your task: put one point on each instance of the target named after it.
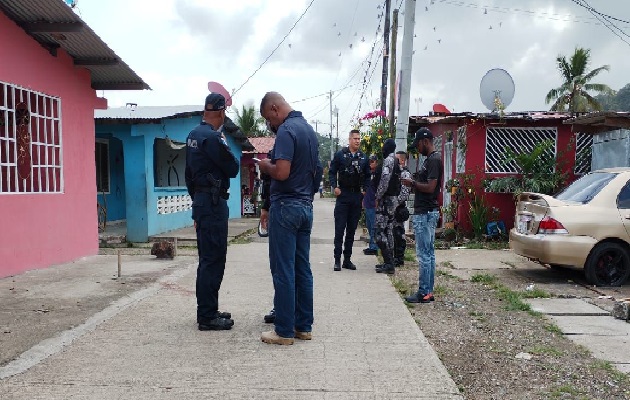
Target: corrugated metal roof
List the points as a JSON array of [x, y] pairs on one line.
[[262, 145], [54, 25], [155, 115], [147, 112]]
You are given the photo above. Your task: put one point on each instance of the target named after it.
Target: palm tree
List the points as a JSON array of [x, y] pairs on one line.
[[574, 92], [250, 121]]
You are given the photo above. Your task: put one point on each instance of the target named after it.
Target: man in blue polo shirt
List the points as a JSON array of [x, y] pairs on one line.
[[295, 172]]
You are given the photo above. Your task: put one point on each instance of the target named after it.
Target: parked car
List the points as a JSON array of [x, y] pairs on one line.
[[585, 225]]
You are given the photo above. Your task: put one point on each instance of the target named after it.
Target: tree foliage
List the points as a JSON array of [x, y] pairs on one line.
[[250, 121], [574, 95], [619, 101]]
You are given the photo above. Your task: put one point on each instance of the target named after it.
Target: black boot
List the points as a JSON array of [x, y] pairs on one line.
[[347, 264], [386, 269], [388, 263], [337, 266]]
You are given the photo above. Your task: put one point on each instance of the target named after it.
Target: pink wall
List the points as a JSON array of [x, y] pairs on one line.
[[40, 230]]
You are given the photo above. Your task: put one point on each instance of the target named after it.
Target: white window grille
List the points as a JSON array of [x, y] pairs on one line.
[[583, 153], [173, 204], [102, 166], [30, 141], [520, 140], [460, 154]]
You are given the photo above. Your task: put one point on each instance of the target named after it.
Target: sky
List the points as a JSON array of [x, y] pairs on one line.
[[178, 46]]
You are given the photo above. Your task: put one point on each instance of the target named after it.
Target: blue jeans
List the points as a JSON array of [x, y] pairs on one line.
[[424, 227], [290, 224], [370, 216]]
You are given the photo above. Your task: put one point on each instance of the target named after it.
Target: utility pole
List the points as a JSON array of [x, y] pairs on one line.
[[336, 111], [392, 75], [388, 7], [332, 153], [406, 61]]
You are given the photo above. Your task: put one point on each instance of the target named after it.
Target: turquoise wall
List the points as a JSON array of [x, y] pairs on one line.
[[141, 195], [114, 201]]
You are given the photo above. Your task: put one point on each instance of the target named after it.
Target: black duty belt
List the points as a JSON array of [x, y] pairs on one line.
[[350, 189], [223, 193]]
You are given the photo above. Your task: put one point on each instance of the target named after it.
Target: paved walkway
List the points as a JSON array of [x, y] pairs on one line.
[[145, 345]]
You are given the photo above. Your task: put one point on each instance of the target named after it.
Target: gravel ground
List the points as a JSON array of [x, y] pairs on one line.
[[495, 349]]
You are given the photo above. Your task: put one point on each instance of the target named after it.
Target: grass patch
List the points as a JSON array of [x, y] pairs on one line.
[[447, 264], [535, 294], [553, 328], [445, 274], [563, 390], [440, 290], [484, 278], [244, 237], [513, 300], [497, 245], [546, 350], [410, 255], [478, 316], [400, 285], [620, 378]]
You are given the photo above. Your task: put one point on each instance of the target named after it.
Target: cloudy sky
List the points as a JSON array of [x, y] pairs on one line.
[[177, 46]]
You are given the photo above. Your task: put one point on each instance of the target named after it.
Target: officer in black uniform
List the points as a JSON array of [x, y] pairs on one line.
[[209, 166], [349, 176]]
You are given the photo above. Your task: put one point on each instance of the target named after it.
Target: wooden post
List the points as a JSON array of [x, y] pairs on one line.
[[119, 263]]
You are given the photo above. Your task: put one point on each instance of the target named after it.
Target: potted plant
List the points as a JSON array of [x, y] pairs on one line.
[[452, 185]]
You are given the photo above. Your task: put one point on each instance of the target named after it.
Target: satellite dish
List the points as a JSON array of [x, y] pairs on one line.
[[497, 87]]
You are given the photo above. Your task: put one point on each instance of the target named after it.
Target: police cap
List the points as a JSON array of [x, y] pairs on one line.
[[215, 102]]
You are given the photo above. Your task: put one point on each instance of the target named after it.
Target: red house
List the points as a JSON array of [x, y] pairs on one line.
[[474, 145], [52, 65], [249, 171]]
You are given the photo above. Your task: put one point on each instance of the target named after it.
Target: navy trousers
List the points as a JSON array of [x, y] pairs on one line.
[[212, 230], [347, 213]]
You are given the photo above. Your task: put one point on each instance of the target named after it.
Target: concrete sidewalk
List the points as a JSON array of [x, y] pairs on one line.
[[146, 345]]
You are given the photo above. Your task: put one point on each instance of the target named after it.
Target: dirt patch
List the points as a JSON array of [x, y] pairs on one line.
[[494, 348]]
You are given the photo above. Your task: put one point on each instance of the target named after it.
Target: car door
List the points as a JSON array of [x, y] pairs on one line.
[[623, 206]]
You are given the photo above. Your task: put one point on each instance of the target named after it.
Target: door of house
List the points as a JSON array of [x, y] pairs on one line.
[[448, 173]]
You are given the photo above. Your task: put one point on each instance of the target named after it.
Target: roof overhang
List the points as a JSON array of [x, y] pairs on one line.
[[600, 122], [54, 25]]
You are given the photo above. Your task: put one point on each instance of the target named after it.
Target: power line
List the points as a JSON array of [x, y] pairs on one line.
[[588, 7], [606, 22], [538, 14], [274, 50], [347, 37]]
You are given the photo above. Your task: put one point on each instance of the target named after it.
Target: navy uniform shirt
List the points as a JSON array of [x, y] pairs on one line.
[[296, 142], [207, 152], [358, 162]]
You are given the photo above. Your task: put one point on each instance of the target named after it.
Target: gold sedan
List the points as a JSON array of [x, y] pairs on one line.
[[585, 225]]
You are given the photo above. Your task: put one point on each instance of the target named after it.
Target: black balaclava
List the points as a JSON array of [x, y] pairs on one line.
[[389, 146]]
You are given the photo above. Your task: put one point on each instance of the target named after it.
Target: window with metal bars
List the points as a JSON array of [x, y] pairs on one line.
[[102, 166], [31, 159], [583, 153], [520, 140]]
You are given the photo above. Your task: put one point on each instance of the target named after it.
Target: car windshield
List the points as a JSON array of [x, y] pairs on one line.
[[584, 189]]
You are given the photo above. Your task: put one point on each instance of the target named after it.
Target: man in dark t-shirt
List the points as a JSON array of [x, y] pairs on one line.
[[426, 212]]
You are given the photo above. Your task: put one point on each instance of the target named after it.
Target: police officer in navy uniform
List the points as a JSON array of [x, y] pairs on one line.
[[349, 176], [209, 166]]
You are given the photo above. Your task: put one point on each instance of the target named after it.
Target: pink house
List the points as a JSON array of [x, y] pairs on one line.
[[52, 65]]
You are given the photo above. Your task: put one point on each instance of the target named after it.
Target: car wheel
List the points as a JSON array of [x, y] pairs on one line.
[[608, 265]]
